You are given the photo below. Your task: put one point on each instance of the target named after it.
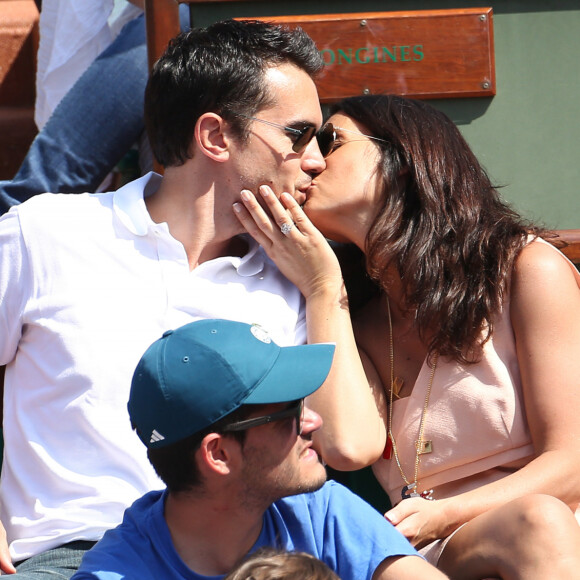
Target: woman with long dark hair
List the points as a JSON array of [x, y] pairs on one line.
[[470, 333]]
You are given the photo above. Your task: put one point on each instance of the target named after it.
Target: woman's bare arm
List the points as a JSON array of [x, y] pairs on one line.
[[354, 432]]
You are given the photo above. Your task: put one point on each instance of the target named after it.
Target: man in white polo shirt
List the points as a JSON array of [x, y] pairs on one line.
[[87, 282]]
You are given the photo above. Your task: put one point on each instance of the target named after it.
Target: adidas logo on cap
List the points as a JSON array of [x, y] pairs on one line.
[[156, 436]]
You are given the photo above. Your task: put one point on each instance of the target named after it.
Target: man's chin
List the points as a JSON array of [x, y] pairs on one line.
[[315, 485], [308, 486]]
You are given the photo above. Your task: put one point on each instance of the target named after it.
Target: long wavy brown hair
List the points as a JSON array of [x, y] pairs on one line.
[[441, 224]]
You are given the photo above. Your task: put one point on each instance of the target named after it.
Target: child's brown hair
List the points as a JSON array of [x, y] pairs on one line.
[[270, 564]]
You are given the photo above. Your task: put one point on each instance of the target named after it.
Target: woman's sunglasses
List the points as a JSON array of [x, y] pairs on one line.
[[327, 138]]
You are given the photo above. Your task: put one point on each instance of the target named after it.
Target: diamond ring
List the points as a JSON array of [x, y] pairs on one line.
[[286, 227]]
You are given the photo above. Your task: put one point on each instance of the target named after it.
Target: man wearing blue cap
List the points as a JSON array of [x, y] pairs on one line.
[[221, 410]]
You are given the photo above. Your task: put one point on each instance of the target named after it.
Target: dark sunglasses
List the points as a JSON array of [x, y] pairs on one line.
[[300, 137], [327, 138], [295, 410]]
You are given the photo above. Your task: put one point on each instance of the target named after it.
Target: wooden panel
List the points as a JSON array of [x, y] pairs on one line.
[[423, 53], [572, 238], [428, 53], [162, 24], [17, 20], [18, 46], [17, 130]]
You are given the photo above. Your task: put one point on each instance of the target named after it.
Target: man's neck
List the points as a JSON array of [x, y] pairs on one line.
[[211, 536], [200, 219]]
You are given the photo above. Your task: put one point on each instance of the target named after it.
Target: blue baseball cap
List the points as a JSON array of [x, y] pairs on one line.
[[195, 375]]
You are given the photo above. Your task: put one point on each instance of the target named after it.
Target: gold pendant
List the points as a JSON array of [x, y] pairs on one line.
[[424, 447], [398, 383]]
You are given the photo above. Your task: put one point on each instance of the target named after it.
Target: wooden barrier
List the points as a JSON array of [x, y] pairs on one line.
[[162, 24], [418, 53], [18, 47], [572, 240]]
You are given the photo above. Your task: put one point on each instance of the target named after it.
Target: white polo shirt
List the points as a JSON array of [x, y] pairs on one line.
[[87, 283]]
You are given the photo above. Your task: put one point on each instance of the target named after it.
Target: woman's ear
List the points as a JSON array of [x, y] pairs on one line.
[[212, 138]]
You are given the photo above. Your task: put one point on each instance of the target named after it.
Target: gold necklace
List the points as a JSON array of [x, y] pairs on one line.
[[421, 447]]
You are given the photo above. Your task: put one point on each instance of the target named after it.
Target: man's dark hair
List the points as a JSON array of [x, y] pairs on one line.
[[175, 464], [217, 69]]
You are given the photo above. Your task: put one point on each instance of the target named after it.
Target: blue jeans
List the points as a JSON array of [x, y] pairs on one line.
[[56, 564], [94, 125]]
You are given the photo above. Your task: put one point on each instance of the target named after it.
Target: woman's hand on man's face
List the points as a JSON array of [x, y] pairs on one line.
[[290, 239]]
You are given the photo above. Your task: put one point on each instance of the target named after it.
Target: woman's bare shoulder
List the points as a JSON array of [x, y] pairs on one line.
[[543, 282], [541, 264]]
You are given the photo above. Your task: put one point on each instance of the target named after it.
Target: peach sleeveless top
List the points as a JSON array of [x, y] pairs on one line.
[[475, 420]]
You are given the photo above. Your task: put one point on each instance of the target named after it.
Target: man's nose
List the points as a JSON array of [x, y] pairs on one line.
[[311, 421], [313, 162]]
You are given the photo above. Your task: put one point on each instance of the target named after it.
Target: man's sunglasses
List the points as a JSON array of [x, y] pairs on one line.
[[300, 137], [326, 136], [295, 410]]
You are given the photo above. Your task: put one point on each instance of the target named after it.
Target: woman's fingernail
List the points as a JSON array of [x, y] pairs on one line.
[[245, 195], [264, 190], [237, 207]]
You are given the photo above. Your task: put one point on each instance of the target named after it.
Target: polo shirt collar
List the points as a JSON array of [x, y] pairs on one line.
[[252, 262], [129, 206]]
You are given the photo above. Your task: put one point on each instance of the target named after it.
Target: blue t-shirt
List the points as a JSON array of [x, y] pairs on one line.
[[333, 524]]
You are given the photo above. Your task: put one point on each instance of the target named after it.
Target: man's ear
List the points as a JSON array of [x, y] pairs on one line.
[[212, 137], [217, 454]]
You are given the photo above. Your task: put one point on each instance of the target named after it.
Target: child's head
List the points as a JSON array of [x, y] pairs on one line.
[[270, 564]]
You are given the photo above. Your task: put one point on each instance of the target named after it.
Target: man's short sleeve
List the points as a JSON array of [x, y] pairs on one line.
[[341, 529], [15, 282]]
